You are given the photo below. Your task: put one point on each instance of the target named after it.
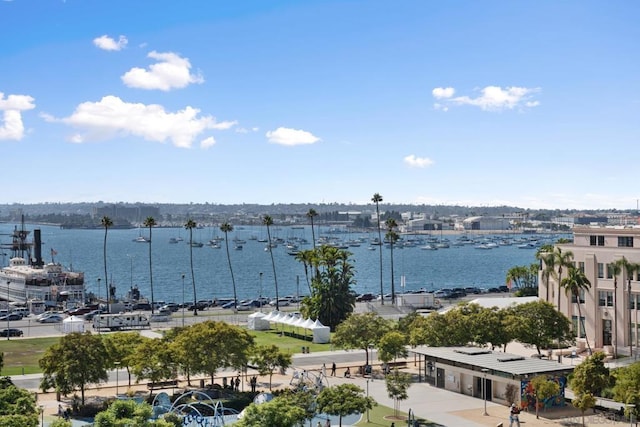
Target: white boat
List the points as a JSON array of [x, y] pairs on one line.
[[27, 277], [141, 239], [428, 248]]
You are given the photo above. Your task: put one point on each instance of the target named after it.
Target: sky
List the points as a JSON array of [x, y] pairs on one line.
[[533, 104]]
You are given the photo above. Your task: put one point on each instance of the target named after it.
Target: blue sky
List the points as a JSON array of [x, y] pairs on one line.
[[533, 103]]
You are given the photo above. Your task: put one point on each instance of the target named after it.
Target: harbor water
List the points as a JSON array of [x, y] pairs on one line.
[[128, 261]]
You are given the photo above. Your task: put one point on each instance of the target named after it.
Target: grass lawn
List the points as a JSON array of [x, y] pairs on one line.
[[383, 416], [21, 355]]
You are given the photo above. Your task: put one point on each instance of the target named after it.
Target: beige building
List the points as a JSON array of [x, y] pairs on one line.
[[610, 308]]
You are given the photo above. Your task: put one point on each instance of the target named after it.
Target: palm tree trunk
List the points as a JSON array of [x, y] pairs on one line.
[[233, 280], [581, 321], [380, 251], [273, 266], [393, 288], [193, 277], [151, 273], [615, 318], [629, 311]]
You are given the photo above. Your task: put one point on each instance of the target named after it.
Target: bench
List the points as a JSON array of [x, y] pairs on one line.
[[398, 364], [162, 384]]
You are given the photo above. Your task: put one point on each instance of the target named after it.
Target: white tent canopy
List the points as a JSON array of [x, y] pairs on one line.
[[72, 324], [257, 322], [321, 333]]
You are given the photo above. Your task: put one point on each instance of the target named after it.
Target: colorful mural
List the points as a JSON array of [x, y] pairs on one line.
[[528, 397]]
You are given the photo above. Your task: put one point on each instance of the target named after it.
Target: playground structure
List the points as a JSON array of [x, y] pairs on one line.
[[196, 408]]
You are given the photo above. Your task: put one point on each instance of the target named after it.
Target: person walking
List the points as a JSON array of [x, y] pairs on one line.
[[514, 416], [333, 369]]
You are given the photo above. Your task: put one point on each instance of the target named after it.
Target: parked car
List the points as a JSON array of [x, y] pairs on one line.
[[141, 306], [365, 297], [503, 288], [11, 332], [229, 304], [11, 317], [442, 293]]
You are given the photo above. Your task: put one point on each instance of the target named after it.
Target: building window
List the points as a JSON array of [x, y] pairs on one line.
[[625, 241], [609, 271], [574, 300], [581, 266], [578, 324], [600, 270], [632, 302], [596, 240], [605, 298]]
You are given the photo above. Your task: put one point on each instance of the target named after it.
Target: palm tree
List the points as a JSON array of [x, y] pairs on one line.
[[392, 237], [560, 260], [226, 228], [312, 214], [576, 283], [106, 223], [377, 198], [190, 225], [615, 269], [268, 221], [547, 265], [630, 268], [150, 222], [306, 257]]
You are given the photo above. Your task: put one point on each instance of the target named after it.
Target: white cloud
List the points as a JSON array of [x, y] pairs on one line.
[[417, 162], [443, 92], [207, 142], [111, 117], [288, 136], [107, 43], [491, 98], [170, 72], [11, 122]]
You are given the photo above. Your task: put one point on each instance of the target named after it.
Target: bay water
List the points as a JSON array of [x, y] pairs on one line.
[[128, 261]]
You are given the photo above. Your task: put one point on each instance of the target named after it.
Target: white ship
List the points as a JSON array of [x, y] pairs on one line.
[[27, 278]]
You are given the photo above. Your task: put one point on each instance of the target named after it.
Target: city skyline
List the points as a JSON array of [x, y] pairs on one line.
[[528, 104]]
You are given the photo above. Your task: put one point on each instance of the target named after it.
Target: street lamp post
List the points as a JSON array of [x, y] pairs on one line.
[[117, 376], [630, 407], [8, 331], [42, 415], [368, 379], [183, 300], [98, 296], [484, 390], [260, 299]]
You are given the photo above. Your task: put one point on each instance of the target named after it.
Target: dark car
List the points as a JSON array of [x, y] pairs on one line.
[[80, 311], [141, 306], [11, 317], [365, 297], [503, 288], [199, 306], [12, 332]]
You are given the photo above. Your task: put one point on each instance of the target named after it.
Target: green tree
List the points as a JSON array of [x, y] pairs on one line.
[[392, 345], [17, 407], [377, 198], [306, 257], [583, 402], [268, 358], [627, 386], [76, 361], [392, 237], [106, 223], [153, 360], [278, 412], [268, 222], [591, 376], [216, 345], [575, 283], [190, 225], [150, 222], [343, 400], [120, 347], [398, 384], [538, 324], [361, 331], [331, 300], [226, 228], [543, 389], [129, 413]]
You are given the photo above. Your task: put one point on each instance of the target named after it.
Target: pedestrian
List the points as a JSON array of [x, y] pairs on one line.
[[347, 373], [393, 424], [60, 411], [224, 382], [324, 370], [319, 424], [328, 423], [514, 416], [238, 383], [333, 369]]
